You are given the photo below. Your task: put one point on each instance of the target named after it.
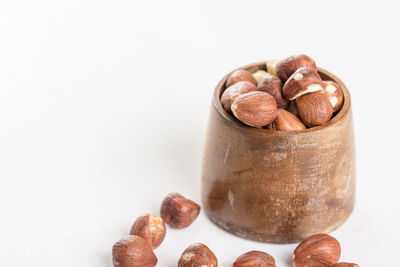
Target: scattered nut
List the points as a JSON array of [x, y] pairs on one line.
[[314, 109], [335, 94], [260, 75], [151, 228], [271, 67], [240, 75], [286, 67], [345, 264], [292, 108], [317, 250], [198, 255], [286, 121], [273, 86], [133, 251], [234, 91], [256, 109], [178, 211], [254, 258], [304, 80]]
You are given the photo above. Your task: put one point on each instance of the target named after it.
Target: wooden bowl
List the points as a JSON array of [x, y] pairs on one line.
[[276, 186]]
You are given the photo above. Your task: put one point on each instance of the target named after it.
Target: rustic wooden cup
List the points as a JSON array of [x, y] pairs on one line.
[[276, 186]]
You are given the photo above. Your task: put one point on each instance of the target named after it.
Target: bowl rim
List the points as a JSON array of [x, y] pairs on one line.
[[231, 120]]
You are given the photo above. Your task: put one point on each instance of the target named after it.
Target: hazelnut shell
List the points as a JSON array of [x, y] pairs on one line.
[[233, 91], [317, 250], [240, 75], [133, 251], [273, 86], [304, 80], [256, 109], [198, 255], [254, 258], [334, 93], [314, 108], [286, 67], [178, 211], [151, 228], [286, 121]]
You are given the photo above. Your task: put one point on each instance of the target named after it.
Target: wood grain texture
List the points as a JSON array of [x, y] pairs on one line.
[[278, 187]]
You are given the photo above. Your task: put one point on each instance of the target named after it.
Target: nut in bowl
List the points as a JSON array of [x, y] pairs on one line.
[[297, 84], [284, 177]]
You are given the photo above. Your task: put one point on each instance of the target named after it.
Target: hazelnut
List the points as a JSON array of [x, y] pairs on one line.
[[271, 127], [198, 255], [151, 228], [335, 94], [286, 121], [345, 264], [271, 67], [178, 211], [317, 250], [240, 75], [293, 108], [304, 80], [314, 109], [260, 75], [133, 251], [256, 109], [254, 258], [234, 91], [286, 67], [273, 86]]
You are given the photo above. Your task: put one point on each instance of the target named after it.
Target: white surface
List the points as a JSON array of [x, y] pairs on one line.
[[104, 106]]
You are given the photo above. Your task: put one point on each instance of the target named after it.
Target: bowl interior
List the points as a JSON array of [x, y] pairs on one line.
[[325, 75]]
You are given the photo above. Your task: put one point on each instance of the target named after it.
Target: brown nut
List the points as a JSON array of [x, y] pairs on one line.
[[317, 250], [256, 109], [273, 86], [240, 75], [234, 91], [314, 109], [302, 81], [260, 75], [286, 121], [335, 94], [133, 251], [286, 67], [270, 126], [254, 258], [151, 228], [345, 264], [198, 255], [293, 108], [178, 211], [271, 67]]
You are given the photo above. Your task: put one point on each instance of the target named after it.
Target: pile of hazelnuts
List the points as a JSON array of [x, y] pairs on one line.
[[289, 96], [148, 232]]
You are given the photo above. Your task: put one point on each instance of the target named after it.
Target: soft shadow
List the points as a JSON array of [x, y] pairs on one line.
[[288, 260], [106, 260]]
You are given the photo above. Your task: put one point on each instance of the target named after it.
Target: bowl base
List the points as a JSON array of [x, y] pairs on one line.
[[247, 233]]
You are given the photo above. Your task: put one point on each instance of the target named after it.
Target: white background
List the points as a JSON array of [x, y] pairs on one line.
[[104, 107]]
